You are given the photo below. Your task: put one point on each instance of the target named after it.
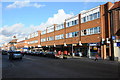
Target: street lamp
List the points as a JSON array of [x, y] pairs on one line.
[[46, 45], [65, 44], [39, 45], [54, 45], [80, 43]]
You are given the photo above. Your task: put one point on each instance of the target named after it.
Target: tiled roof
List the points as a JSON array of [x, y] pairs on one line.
[[116, 5]]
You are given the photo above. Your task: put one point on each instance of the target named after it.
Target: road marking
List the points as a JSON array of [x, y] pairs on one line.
[[29, 58]]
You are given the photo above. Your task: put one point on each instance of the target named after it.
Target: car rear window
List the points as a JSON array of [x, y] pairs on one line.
[[14, 52]]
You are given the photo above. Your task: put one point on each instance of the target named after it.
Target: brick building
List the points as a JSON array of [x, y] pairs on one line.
[[114, 13], [33, 41], [88, 28], [88, 32]]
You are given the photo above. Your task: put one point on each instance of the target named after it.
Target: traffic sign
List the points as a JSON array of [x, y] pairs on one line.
[[118, 44]]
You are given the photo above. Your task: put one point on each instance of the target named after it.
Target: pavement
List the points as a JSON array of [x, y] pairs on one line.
[[92, 59]]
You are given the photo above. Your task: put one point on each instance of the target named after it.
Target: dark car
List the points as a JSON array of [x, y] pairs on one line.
[[52, 55], [42, 53], [15, 55], [4, 52]]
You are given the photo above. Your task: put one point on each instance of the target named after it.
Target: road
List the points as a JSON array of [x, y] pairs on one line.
[[42, 67]]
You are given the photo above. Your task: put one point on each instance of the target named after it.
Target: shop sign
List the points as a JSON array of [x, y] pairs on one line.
[[92, 44], [25, 48], [95, 48], [74, 44], [118, 44], [113, 37]]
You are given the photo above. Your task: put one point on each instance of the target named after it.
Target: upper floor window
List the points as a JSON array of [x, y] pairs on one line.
[[31, 42], [60, 26], [91, 18], [50, 29], [90, 15], [72, 23], [90, 31], [43, 39], [57, 37], [50, 38], [43, 32], [72, 34], [32, 35]]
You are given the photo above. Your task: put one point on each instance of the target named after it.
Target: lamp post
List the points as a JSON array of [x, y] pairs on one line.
[[39, 47], [72, 50]]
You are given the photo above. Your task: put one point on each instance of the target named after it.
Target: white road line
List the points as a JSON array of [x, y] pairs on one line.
[[29, 58]]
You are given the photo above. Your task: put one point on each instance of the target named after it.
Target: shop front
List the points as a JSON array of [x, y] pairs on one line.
[[118, 44], [94, 49], [117, 51]]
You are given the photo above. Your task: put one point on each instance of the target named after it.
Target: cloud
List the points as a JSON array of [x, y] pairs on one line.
[[7, 32], [56, 19], [83, 11], [21, 4], [19, 30]]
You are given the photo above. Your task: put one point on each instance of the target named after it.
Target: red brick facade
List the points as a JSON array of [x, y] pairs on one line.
[[103, 22]]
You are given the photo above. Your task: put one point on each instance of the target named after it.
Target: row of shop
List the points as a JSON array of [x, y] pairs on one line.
[[87, 49], [94, 48]]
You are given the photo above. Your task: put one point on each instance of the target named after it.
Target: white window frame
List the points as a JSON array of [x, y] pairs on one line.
[[60, 26], [43, 32], [43, 40], [61, 36]]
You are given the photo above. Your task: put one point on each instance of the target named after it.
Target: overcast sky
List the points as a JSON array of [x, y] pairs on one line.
[[21, 18]]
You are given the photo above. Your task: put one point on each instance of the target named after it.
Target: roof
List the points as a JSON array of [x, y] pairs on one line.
[[14, 40], [116, 5]]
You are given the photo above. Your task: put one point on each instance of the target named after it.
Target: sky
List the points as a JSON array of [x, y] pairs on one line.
[[20, 18]]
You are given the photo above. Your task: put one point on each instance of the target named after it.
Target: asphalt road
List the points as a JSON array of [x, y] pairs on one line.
[[42, 67]]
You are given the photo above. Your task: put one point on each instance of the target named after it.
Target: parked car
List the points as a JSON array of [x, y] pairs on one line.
[[15, 55], [52, 55], [40, 53], [28, 52], [4, 52], [78, 54]]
